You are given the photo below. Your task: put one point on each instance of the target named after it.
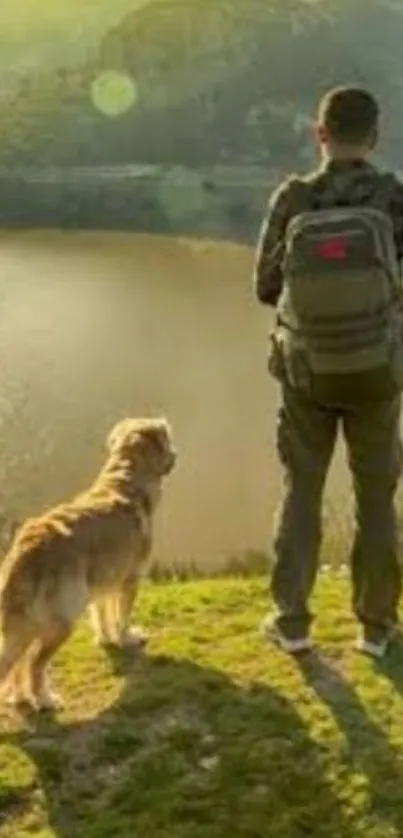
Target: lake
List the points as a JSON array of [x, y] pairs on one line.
[[97, 326]]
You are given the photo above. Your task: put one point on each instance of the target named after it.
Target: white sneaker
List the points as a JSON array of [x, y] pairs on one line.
[[293, 646], [373, 648]]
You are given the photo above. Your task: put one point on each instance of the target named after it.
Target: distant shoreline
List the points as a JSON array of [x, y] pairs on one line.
[[220, 201]]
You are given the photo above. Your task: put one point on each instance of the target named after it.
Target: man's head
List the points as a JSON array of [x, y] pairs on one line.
[[347, 123]]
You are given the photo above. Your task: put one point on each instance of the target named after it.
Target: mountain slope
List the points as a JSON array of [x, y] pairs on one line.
[[222, 80]]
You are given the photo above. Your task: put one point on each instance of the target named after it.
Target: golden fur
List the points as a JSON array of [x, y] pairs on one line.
[[88, 551]]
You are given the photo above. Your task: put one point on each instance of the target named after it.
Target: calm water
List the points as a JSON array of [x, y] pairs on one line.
[[97, 326]]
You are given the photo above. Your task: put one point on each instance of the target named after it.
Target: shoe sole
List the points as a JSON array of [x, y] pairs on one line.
[[373, 650], [299, 646]]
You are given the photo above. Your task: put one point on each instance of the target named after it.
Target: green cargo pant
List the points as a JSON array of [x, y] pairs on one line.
[[306, 436]]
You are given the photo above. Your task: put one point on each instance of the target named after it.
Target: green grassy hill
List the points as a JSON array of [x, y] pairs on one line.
[[213, 733]]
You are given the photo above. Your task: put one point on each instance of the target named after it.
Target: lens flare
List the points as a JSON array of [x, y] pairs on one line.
[[113, 93]]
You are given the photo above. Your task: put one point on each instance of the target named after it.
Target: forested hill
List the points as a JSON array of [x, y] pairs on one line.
[[219, 82]]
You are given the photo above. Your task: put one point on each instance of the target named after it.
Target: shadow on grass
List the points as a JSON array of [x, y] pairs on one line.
[[391, 667], [369, 753], [184, 752]]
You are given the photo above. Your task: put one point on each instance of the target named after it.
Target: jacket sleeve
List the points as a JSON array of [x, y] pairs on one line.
[[397, 216], [268, 279]]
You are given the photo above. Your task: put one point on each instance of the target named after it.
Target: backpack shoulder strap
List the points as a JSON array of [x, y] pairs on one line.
[[299, 192], [302, 197]]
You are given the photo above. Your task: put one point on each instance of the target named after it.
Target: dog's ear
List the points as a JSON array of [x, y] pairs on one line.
[[156, 427], [126, 432], [158, 432]]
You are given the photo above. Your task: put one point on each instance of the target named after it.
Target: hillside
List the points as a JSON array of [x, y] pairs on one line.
[[222, 80], [48, 32], [213, 733]]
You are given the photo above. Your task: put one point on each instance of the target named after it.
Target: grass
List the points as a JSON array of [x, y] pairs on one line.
[[212, 733]]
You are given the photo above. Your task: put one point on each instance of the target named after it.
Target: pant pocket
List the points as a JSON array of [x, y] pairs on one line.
[[297, 370]]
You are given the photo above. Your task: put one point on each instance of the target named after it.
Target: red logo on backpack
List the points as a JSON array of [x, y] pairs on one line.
[[331, 249]]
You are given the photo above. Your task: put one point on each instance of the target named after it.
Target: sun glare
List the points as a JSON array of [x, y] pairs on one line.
[[113, 93]]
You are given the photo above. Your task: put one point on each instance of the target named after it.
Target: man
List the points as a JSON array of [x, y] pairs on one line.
[[325, 261]]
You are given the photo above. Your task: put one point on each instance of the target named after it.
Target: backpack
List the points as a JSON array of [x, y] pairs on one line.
[[340, 312]]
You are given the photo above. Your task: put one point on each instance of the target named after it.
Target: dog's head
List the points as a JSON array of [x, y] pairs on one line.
[[144, 441]]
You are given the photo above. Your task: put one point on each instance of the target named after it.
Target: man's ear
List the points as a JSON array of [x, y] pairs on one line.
[[320, 134]]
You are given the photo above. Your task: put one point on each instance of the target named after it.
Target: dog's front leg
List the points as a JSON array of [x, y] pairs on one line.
[[104, 621], [129, 636], [49, 643]]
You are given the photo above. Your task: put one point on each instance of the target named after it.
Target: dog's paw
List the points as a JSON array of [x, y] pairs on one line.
[[48, 700], [102, 640], [12, 698], [134, 638], [19, 700]]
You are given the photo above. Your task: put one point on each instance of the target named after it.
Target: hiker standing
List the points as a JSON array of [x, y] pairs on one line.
[[328, 259]]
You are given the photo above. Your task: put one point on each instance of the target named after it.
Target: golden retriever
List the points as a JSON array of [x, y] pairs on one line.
[[90, 551]]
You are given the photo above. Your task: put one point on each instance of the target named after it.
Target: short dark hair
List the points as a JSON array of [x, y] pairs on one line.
[[350, 115]]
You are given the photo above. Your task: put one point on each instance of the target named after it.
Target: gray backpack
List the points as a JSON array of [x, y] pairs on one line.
[[341, 310]]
